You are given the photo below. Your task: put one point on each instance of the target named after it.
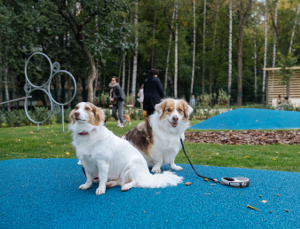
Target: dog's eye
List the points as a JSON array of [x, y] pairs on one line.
[[169, 110], [180, 110], [87, 108], [76, 108]]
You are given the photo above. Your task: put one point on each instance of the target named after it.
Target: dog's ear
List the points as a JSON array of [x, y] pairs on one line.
[[71, 116], [99, 116], [160, 107], [187, 110]]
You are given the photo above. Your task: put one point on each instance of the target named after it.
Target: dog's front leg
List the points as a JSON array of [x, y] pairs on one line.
[[89, 181], [103, 169], [175, 167], [157, 164]]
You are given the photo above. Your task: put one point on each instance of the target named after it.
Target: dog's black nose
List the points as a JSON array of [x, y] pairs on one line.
[[77, 114], [175, 118]]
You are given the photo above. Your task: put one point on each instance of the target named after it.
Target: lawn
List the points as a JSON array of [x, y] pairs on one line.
[[50, 142]]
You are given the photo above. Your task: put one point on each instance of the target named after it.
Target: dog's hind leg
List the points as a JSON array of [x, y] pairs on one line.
[[111, 184], [128, 186]]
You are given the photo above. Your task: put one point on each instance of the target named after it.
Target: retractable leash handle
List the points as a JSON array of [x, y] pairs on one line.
[[236, 182]]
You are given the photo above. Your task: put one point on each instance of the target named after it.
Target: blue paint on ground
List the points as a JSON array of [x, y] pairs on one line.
[[37, 193], [251, 118]]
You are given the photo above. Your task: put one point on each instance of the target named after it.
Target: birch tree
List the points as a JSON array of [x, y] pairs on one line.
[[194, 47], [265, 54], [176, 51], [134, 72], [230, 51], [169, 48], [293, 33], [274, 44], [203, 56]]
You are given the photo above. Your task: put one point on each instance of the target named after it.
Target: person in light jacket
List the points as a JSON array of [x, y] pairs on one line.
[[153, 91]]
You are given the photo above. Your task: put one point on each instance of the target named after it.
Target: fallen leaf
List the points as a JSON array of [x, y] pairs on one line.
[[192, 156], [48, 142], [274, 159], [246, 156], [277, 152], [43, 157], [67, 153], [217, 153], [188, 183], [30, 132], [264, 201]]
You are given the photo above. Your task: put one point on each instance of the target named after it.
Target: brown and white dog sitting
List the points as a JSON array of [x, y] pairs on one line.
[[114, 160], [158, 138]]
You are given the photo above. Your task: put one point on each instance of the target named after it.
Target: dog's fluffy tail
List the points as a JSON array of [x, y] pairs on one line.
[[160, 180]]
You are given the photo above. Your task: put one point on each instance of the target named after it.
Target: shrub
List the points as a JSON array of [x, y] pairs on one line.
[[66, 116], [223, 98], [2, 117]]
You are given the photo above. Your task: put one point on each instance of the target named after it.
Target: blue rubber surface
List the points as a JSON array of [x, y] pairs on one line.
[[251, 118], [37, 193]]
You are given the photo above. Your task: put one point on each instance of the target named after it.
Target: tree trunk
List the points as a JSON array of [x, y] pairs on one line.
[[176, 51], [265, 56], [6, 85], [276, 31], [169, 48], [152, 53], [123, 79], [92, 75], [203, 56], [230, 51], [274, 45], [213, 47], [242, 22], [96, 82], [255, 59], [293, 33], [135, 54], [194, 48], [128, 83], [120, 68]]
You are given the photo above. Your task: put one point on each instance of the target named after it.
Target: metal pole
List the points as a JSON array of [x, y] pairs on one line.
[[63, 122], [38, 127]]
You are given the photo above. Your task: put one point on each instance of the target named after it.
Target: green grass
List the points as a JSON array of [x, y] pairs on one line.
[[50, 142]]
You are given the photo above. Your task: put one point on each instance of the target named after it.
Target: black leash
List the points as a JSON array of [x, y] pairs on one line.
[[238, 182], [203, 177]]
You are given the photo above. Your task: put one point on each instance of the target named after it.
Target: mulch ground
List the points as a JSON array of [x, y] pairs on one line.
[[249, 137]]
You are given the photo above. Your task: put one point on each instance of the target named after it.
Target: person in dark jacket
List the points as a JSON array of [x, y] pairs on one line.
[[153, 92], [116, 97]]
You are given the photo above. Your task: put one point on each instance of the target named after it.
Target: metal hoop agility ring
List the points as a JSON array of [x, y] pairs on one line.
[[30, 87]]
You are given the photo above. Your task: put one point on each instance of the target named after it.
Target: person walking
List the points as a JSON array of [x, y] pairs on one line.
[[116, 97], [153, 91], [141, 97]]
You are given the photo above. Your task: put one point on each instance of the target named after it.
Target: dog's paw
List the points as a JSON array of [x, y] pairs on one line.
[[100, 191], [176, 167], [84, 186], [111, 184], [156, 170]]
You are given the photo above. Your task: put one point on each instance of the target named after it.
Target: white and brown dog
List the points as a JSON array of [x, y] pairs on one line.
[[158, 138], [114, 160]]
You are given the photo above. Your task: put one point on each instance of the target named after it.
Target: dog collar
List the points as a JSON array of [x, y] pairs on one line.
[[85, 132]]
